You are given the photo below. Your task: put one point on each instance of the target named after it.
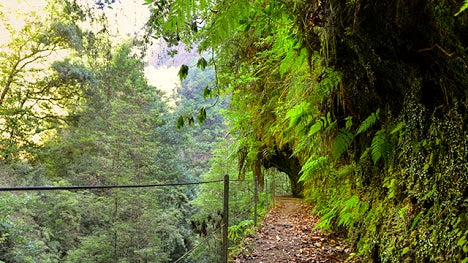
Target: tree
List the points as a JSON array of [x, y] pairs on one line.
[[123, 135], [35, 91]]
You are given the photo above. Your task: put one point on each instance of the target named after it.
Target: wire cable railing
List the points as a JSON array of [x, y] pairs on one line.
[[221, 228], [87, 187]]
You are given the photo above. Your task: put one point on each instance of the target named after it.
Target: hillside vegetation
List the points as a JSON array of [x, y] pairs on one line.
[[362, 103]]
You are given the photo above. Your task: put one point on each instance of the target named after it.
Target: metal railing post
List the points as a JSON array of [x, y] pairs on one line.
[[225, 219], [266, 193]]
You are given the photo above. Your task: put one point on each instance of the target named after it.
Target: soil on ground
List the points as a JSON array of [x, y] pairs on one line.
[[288, 235]]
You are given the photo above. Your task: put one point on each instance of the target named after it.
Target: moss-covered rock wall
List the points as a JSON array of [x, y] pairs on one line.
[[409, 60]]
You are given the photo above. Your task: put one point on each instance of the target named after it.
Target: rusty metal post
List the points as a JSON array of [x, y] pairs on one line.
[[266, 193]]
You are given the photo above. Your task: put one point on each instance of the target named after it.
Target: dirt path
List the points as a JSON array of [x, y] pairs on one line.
[[287, 235]]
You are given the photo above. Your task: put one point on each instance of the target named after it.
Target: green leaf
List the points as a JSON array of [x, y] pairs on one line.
[[349, 122], [368, 122], [463, 8], [297, 114], [380, 147], [398, 127], [405, 251], [180, 122], [315, 128], [312, 166], [206, 92], [202, 63], [191, 121], [461, 241], [202, 115], [416, 220], [341, 143], [183, 72]]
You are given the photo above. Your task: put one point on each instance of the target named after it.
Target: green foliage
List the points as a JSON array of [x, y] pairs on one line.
[[368, 122], [36, 88], [462, 8], [312, 167], [381, 148], [297, 82], [297, 114], [236, 232], [353, 209], [341, 143], [202, 63], [201, 115], [183, 72]]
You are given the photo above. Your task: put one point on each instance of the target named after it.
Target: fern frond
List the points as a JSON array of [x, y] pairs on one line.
[[463, 8], [315, 128], [312, 167], [352, 210], [326, 221], [398, 127], [381, 148], [368, 122], [365, 154], [341, 143], [297, 114]]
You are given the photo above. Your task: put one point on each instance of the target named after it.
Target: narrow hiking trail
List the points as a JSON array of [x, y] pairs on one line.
[[287, 235]]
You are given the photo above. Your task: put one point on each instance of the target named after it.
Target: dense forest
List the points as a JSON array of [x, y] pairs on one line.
[[362, 104]]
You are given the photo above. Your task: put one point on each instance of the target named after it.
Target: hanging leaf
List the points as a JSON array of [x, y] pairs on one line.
[[180, 122], [297, 114], [202, 63], [194, 26], [202, 115], [183, 72], [312, 166], [349, 122], [191, 121], [206, 92], [315, 128]]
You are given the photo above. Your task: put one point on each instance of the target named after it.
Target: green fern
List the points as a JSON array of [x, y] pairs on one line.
[[326, 221], [463, 8], [381, 148], [341, 143], [297, 114], [368, 122], [315, 128], [352, 211], [312, 167]]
